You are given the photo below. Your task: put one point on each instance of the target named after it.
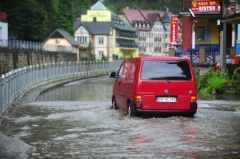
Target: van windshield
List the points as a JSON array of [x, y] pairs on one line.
[[165, 70]]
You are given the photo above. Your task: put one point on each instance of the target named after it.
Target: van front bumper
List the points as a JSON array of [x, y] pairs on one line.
[[191, 111]]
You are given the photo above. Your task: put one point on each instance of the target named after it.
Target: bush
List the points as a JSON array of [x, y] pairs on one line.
[[236, 78], [104, 58], [211, 81]]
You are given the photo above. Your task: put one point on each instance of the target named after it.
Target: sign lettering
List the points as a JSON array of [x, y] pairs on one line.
[[205, 6], [173, 30]]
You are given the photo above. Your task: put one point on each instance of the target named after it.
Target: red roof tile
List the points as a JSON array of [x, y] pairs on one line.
[[142, 15]]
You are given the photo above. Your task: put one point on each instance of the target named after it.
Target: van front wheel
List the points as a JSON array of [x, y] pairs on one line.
[[114, 105]]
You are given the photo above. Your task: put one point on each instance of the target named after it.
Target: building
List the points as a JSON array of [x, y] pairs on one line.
[[202, 21], [153, 29], [61, 41], [234, 20], [95, 35], [122, 37], [3, 30]]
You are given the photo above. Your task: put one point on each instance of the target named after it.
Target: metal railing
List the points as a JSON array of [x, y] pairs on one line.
[[211, 54], [38, 46], [14, 84]]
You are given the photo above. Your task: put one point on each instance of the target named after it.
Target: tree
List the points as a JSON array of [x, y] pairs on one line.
[[80, 6], [35, 25], [65, 18], [26, 19], [51, 8]]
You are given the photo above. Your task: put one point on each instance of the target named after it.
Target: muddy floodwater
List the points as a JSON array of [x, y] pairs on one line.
[[75, 121]]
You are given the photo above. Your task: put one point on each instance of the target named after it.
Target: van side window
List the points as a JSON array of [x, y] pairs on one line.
[[119, 75]]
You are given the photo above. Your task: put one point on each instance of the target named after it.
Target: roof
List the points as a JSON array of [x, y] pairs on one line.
[[234, 18], [118, 23], [160, 58], [148, 16], [98, 6], [58, 33], [94, 28], [166, 17]]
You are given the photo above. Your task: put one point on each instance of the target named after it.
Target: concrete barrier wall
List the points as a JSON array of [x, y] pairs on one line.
[[11, 59]]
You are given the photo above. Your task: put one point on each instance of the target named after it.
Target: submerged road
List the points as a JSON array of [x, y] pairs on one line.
[[75, 121]]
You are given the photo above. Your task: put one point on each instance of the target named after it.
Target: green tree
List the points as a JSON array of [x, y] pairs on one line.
[[65, 18], [51, 8], [35, 25], [26, 19], [80, 6]]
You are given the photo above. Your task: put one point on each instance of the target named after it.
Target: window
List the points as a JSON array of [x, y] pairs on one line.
[[203, 33], [120, 72], [100, 40], [100, 54], [200, 33], [82, 40], [167, 36], [173, 70]]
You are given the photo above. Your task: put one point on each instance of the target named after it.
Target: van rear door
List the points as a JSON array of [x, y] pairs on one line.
[[166, 84]]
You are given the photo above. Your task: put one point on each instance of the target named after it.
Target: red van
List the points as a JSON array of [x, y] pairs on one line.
[[155, 84]]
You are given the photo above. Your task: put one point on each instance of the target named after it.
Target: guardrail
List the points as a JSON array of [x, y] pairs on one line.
[[16, 83]]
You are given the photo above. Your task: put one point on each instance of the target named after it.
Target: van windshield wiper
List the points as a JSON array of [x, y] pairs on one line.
[[156, 78]]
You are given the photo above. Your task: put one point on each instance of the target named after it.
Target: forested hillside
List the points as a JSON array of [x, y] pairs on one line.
[[35, 20]]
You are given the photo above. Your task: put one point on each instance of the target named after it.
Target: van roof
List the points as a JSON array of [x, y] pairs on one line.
[[160, 58]]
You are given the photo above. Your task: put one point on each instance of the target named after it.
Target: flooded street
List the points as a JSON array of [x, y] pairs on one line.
[[75, 121]]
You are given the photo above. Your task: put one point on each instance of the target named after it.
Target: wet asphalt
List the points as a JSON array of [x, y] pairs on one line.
[[74, 120]]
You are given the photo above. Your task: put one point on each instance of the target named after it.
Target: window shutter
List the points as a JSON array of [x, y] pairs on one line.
[[208, 33]]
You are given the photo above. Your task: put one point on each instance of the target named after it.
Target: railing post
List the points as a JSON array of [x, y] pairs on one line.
[[202, 55]]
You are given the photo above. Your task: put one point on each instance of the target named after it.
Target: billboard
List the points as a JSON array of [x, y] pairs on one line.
[[205, 6], [173, 30]]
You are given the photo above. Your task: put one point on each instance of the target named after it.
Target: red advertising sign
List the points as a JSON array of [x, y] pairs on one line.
[[205, 6], [173, 30]]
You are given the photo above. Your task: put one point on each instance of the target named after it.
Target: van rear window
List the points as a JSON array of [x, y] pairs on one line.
[[165, 70]]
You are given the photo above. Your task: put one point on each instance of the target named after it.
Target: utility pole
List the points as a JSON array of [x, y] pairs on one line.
[[222, 39]]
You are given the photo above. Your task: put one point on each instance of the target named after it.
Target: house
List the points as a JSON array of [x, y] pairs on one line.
[[96, 34], [201, 21], [3, 30], [61, 41], [121, 41], [234, 20], [153, 29]]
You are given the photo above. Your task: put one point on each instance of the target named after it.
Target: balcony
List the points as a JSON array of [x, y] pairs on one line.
[[127, 34], [126, 43]]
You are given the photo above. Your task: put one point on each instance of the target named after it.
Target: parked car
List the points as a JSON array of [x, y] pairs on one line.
[[155, 84]]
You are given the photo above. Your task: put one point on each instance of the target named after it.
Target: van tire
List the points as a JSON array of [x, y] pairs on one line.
[[114, 105], [131, 112]]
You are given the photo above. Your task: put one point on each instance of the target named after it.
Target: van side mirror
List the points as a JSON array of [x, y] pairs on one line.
[[112, 74]]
